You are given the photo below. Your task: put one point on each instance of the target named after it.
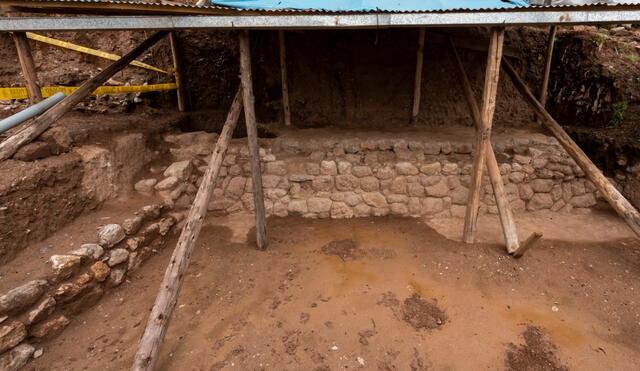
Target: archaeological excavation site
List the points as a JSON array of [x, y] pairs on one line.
[[319, 185]]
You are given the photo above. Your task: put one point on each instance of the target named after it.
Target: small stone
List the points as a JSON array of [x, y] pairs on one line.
[[325, 182], [362, 171], [276, 168], [375, 199], [116, 277], [318, 205], [118, 256], [11, 334], [406, 168], [49, 328], [369, 184], [16, 358], [340, 210], [540, 201], [181, 170], [297, 207], [100, 271], [41, 311], [21, 297], [166, 184], [585, 200], [145, 185], [110, 235], [542, 185], [328, 168], [64, 265], [440, 189], [38, 353], [132, 225], [89, 250]]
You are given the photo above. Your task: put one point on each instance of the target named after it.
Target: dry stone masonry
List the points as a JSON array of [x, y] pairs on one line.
[[337, 178], [42, 308]]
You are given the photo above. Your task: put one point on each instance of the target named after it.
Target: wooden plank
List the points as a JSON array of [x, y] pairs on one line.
[[504, 210], [173, 42], [417, 86], [285, 85], [527, 244], [147, 354], [483, 133], [28, 66], [252, 136], [42, 123], [547, 66], [617, 201]]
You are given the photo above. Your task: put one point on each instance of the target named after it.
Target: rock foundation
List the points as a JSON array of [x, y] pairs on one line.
[[377, 176]]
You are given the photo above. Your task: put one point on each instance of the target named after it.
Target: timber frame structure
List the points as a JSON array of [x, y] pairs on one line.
[[122, 15]]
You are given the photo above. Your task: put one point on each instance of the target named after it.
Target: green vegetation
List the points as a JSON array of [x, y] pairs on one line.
[[633, 58], [617, 112], [599, 41]]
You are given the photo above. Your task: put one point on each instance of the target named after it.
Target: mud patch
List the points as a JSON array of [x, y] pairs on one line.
[[344, 249], [421, 313], [537, 353]]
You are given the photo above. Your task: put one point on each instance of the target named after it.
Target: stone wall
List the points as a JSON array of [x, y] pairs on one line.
[[42, 308], [376, 175]]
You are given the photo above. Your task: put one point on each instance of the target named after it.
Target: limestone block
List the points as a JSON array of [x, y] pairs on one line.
[[406, 168], [181, 170], [375, 199], [340, 210], [145, 185], [16, 358], [368, 184], [22, 296], [439, 189], [328, 168], [166, 184], [110, 234], [297, 207], [540, 201], [433, 168], [432, 205], [346, 182]]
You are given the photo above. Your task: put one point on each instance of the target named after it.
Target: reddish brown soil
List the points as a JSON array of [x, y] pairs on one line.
[[294, 307]]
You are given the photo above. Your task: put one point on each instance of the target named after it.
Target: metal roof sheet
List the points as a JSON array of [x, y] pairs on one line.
[[169, 7]]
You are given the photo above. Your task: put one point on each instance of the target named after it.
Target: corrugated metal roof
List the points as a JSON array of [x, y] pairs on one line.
[[166, 7]]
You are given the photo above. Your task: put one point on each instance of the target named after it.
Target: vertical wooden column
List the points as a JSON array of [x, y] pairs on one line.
[[283, 73], [504, 211], [252, 135], [28, 66], [173, 42], [547, 65], [418, 77], [483, 133]]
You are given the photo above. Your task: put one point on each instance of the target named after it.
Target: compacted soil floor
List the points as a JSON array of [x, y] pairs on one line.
[[379, 294]]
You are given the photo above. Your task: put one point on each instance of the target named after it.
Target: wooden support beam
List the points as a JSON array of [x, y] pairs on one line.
[[175, 55], [252, 135], [544, 87], [28, 66], [504, 210], [285, 85], [158, 322], [608, 191], [417, 87], [483, 133], [42, 123]]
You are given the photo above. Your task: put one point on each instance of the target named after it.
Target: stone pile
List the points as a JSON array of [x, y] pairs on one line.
[[344, 178], [42, 308]]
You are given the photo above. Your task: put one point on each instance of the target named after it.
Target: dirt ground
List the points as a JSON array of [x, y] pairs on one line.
[[379, 293]]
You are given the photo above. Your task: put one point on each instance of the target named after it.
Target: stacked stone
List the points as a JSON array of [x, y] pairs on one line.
[[344, 178], [42, 308]]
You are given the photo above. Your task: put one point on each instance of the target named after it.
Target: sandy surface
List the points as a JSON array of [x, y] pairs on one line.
[[400, 296]]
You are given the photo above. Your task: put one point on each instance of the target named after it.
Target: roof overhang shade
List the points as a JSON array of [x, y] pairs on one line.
[[372, 5]]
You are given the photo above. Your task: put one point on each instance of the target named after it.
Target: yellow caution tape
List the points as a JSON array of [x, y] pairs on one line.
[[94, 52], [47, 91]]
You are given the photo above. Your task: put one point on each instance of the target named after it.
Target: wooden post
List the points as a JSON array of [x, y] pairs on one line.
[[285, 86], [504, 211], [483, 133], [547, 66], [608, 191], [42, 123], [158, 321], [527, 244], [28, 66], [418, 78], [252, 135], [173, 42]]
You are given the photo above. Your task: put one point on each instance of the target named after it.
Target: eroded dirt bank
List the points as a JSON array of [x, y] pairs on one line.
[[398, 295]]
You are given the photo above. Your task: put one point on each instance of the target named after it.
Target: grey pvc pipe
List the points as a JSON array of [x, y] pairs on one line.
[[30, 112]]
